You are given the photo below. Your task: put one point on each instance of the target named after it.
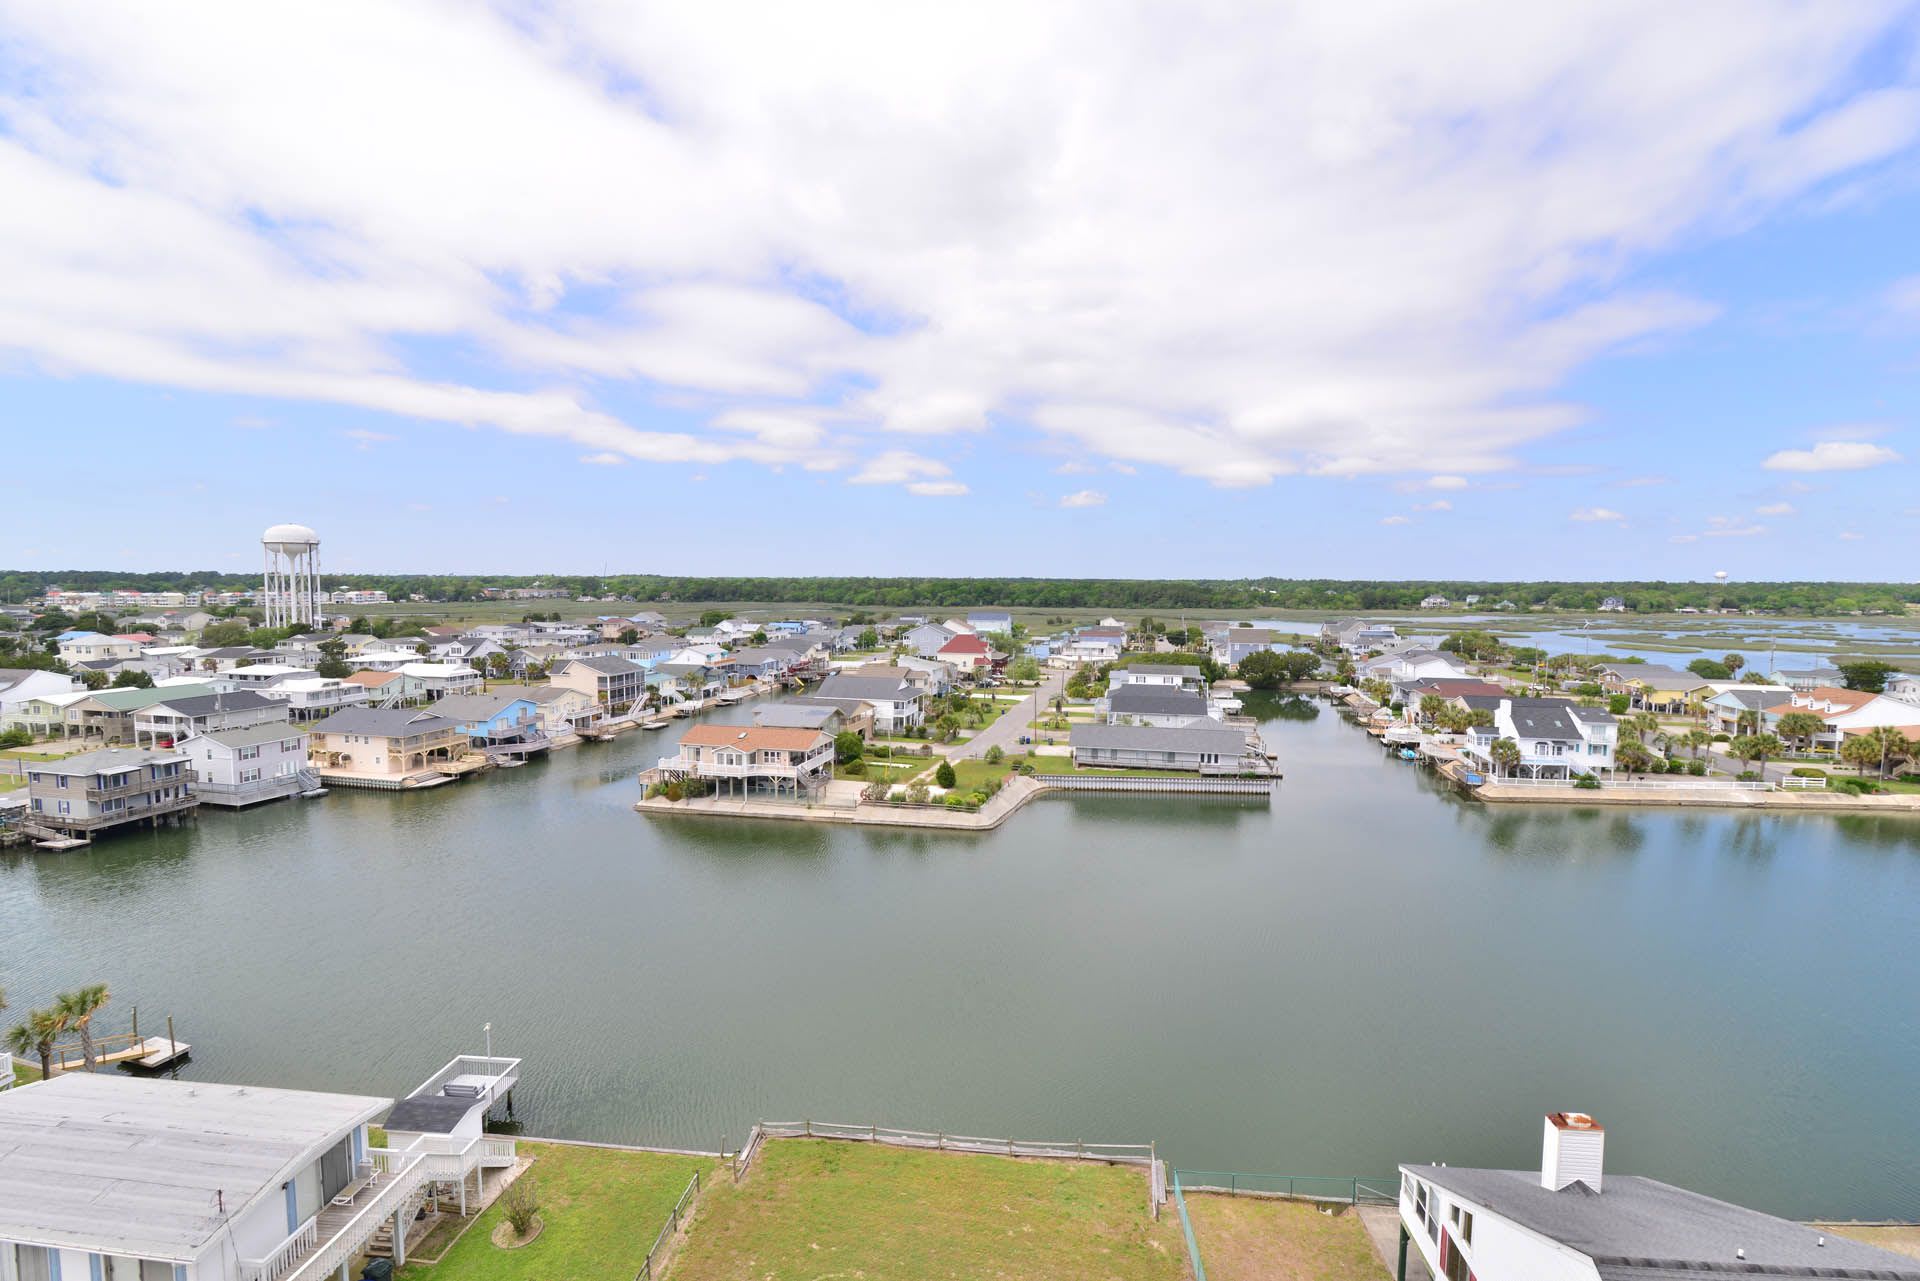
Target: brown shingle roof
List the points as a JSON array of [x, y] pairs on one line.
[[753, 738]]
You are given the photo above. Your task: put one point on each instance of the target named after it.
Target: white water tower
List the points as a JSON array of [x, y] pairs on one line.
[[291, 592]]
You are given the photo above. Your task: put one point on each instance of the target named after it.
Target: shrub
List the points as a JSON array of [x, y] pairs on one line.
[[1587, 783], [1748, 776], [995, 754], [956, 800], [698, 787], [881, 752], [676, 791], [1807, 771], [944, 774], [18, 736], [848, 746], [855, 768], [917, 793], [1697, 768], [1618, 704], [520, 1203]]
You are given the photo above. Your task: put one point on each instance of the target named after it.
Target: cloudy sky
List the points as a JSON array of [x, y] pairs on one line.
[[1568, 290]]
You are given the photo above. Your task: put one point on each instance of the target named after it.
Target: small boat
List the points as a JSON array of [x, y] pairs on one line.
[[1408, 754], [653, 724]]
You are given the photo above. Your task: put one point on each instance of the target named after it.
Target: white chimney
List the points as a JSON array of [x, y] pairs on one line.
[[1572, 1151]]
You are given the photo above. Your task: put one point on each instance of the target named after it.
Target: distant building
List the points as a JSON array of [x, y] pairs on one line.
[[1435, 601], [990, 620], [1613, 605]]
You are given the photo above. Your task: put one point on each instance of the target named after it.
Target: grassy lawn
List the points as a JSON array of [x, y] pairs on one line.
[[1904, 1239], [891, 771], [23, 1072], [601, 1209], [815, 1208], [1254, 1238], [969, 774], [8, 782]]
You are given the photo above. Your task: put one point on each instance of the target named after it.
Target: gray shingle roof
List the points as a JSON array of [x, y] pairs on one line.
[[1156, 700], [1640, 1229], [607, 666], [271, 732], [884, 689], [1219, 739], [1543, 718], [1164, 669], [239, 700], [794, 715], [478, 707], [383, 722]]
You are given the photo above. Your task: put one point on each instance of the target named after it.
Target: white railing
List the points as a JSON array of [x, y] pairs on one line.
[[402, 1173], [6, 1071], [497, 1152], [1797, 783], [1117, 1153], [284, 1256]]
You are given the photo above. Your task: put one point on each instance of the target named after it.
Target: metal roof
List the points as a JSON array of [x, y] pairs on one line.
[[272, 731], [1640, 1229], [1220, 739], [1155, 700], [122, 1165], [106, 760], [383, 722]]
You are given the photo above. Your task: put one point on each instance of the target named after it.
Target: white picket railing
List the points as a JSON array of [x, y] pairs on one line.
[[6, 1071], [1644, 784], [285, 1256], [403, 1173]]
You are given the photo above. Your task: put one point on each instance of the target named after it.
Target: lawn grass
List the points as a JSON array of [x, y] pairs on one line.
[[1253, 1238], [600, 1207], [816, 1208], [24, 1072], [1901, 1238]]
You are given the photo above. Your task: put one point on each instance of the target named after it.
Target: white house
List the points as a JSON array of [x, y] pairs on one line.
[[990, 620], [1412, 664], [436, 680], [1843, 710], [926, 639], [309, 698], [92, 647], [179, 717], [1904, 687], [1557, 738], [236, 767], [1435, 601], [20, 685], [1168, 707], [1236, 643], [897, 702], [1571, 1221], [1156, 676]]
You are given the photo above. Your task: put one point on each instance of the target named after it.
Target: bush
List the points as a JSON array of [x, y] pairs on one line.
[[944, 775], [1618, 704], [1587, 783], [956, 800], [881, 752], [1697, 768], [854, 768], [697, 787], [917, 793], [995, 754], [18, 736], [676, 791], [1748, 776], [1807, 771], [848, 746], [520, 1203], [1857, 786]]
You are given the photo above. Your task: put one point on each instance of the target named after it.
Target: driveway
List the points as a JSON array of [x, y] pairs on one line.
[[1005, 733]]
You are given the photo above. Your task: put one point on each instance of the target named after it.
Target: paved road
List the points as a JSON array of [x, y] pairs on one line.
[[1005, 732]]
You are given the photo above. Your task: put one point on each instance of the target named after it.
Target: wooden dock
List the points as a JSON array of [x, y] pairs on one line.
[[149, 1053]]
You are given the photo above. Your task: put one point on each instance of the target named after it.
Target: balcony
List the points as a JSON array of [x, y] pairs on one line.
[[319, 1247]]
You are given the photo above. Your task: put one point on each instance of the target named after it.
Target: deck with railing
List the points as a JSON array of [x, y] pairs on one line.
[[317, 1248]]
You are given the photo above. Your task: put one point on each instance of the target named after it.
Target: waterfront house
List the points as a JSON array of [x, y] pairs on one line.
[[236, 767], [934, 677], [1807, 678], [926, 639], [1653, 688], [824, 717], [758, 663], [84, 795], [1156, 705], [1569, 1220], [1557, 738], [1237, 643], [1904, 687], [446, 1117], [226, 658], [1435, 601], [109, 713], [968, 654], [179, 716], [43, 716], [614, 683], [990, 620], [494, 719], [751, 760], [1156, 676], [1204, 747], [898, 703], [1409, 693], [684, 682], [561, 710], [384, 743], [119, 1178]]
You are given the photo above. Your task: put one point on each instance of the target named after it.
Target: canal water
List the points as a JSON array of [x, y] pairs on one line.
[[1367, 971]]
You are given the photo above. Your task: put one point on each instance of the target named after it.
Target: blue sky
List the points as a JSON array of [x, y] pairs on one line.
[[1601, 292]]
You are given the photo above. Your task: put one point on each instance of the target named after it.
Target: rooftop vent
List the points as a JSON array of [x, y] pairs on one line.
[[1572, 1151]]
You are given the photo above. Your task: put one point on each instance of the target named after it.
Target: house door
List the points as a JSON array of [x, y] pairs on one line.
[[336, 1168]]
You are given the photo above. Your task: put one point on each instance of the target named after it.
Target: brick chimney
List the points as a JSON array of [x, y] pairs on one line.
[[1572, 1151]]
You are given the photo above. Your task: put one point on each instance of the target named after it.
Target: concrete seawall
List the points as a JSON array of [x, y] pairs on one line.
[[1805, 802]]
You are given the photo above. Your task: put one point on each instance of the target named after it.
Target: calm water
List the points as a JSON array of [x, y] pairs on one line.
[[1368, 971]]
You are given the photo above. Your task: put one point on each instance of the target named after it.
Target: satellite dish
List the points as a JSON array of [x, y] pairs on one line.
[[1720, 574]]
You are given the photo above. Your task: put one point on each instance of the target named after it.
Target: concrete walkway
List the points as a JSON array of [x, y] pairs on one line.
[[1005, 732], [1382, 1223]]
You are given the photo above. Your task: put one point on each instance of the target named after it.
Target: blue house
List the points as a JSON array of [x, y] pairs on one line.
[[492, 719]]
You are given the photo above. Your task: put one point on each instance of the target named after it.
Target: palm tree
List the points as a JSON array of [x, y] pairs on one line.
[[1890, 743], [1505, 754], [1800, 727], [1695, 739], [77, 1009], [36, 1037]]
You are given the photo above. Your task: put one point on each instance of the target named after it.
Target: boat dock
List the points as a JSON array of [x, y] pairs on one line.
[[130, 1049]]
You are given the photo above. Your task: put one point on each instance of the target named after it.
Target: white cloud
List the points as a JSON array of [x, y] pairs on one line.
[[605, 458], [1084, 498], [1396, 520], [364, 439], [921, 475], [1775, 509], [1437, 505], [1904, 296], [1850, 536], [1642, 482], [1595, 514], [1447, 482], [1832, 455], [1075, 467], [894, 219], [1731, 527]]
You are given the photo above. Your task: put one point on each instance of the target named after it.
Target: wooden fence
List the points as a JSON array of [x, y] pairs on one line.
[[664, 1237]]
